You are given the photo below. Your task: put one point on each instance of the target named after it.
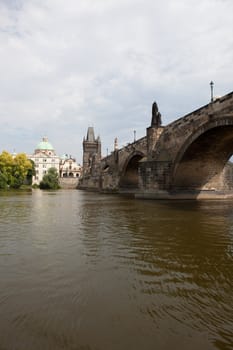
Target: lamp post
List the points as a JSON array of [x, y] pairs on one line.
[[211, 90], [134, 132]]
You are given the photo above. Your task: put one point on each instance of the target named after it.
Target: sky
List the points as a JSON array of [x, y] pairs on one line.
[[66, 65]]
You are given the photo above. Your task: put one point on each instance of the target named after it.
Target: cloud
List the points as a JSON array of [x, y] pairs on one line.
[[68, 65]]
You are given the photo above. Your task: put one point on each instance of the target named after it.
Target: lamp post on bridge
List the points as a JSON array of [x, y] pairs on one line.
[[212, 90], [134, 137]]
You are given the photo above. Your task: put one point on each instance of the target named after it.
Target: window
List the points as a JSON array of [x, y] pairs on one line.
[[44, 165]]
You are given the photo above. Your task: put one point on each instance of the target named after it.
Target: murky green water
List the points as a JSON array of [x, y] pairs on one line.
[[85, 271]]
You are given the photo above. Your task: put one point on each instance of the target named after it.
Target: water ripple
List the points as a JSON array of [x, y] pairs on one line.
[[84, 271]]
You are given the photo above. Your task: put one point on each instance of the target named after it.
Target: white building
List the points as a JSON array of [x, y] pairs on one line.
[[69, 167], [44, 158]]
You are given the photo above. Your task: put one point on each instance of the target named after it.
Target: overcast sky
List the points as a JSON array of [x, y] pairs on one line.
[[70, 64]]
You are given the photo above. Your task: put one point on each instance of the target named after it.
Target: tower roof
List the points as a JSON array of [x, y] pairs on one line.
[[90, 134]]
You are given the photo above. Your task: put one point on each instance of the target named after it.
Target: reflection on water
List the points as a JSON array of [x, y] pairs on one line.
[[87, 271]]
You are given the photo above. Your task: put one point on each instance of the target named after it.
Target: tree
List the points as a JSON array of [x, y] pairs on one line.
[[3, 181], [50, 180], [6, 165], [21, 167], [13, 170], [31, 172]]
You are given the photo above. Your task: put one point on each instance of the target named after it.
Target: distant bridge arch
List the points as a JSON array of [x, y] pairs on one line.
[[129, 178]]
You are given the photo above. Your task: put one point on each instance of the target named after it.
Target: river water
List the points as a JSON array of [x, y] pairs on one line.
[[84, 271]]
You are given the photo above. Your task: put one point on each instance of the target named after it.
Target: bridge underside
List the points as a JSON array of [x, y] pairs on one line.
[[130, 180], [201, 169], [202, 166]]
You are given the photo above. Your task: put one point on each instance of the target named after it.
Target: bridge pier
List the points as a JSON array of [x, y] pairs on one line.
[[154, 176]]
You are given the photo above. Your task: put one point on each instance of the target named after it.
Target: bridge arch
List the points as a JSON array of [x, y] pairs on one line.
[[200, 161], [129, 178]]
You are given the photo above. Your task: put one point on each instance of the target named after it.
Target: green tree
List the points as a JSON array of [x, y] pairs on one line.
[[13, 170], [31, 172], [3, 181], [21, 166], [6, 166], [50, 180]]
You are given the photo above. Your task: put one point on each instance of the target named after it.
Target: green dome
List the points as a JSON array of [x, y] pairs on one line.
[[45, 145]]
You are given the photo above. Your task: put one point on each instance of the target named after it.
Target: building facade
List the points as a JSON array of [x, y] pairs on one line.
[[69, 167], [44, 158]]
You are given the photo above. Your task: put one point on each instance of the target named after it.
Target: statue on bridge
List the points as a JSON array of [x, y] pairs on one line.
[[115, 144], [156, 120]]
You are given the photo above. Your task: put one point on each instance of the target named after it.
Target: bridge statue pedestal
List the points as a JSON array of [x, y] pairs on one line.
[[153, 134]]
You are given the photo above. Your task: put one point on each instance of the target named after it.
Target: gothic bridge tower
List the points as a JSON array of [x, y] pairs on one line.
[[91, 151]]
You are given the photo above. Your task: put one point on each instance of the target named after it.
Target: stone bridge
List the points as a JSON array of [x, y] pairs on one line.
[[185, 159], [120, 169]]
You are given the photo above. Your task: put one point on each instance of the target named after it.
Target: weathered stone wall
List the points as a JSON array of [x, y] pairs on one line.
[[154, 176], [153, 135], [226, 178], [90, 182], [68, 182]]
